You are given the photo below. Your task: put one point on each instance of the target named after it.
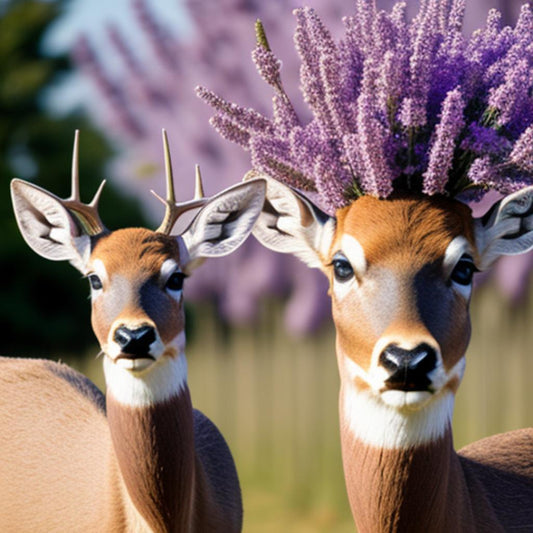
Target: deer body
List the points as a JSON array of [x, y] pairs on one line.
[[77, 468], [140, 459], [400, 273]]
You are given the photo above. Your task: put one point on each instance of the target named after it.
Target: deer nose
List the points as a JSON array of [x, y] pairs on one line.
[[136, 341], [408, 369]]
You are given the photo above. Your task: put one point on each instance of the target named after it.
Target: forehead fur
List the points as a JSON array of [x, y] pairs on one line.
[[388, 227], [135, 249]]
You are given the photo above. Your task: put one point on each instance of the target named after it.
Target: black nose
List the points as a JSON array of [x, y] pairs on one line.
[[409, 368], [135, 342]]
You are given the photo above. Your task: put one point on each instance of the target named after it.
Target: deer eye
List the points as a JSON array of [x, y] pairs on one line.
[[342, 269], [464, 271], [175, 281], [95, 282]]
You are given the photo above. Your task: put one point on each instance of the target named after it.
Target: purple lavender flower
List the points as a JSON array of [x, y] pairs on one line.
[[230, 131], [403, 105], [313, 43], [442, 151], [482, 171], [522, 153], [489, 175], [248, 119], [285, 117], [268, 65], [511, 95], [375, 175], [423, 45], [482, 140]]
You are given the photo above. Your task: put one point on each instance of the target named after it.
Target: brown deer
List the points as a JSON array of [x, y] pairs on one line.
[[140, 459], [400, 273]]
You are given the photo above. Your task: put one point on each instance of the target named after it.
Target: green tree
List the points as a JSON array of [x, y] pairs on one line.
[[43, 305]]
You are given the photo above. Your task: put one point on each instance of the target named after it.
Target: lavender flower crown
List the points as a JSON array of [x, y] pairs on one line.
[[396, 106]]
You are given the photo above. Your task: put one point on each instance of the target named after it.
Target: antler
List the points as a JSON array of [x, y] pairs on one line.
[[173, 209], [86, 214]]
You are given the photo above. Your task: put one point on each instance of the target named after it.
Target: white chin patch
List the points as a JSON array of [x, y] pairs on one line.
[[396, 419], [157, 382], [138, 364], [409, 400]]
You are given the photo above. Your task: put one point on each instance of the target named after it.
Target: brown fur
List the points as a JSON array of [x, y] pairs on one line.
[[136, 256], [59, 470], [134, 250], [55, 452], [412, 228], [155, 450], [165, 478]]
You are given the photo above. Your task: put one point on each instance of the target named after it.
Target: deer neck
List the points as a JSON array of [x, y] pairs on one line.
[[152, 431], [413, 480]]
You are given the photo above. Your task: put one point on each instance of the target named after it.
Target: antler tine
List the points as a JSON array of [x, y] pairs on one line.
[[171, 196], [97, 194], [86, 214], [75, 177], [173, 209], [171, 215], [199, 188]]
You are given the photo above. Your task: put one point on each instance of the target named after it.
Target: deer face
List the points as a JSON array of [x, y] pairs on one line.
[[136, 282], [400, 274]]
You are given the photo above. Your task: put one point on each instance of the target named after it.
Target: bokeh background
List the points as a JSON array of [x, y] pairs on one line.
[[260, 338]]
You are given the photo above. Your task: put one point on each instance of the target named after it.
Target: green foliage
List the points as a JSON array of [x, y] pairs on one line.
[[43, 305]]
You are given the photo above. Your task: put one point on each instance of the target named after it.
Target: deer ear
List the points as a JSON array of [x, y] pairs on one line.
[[506, 229], [48, 228], [224, 223], [290, 223]]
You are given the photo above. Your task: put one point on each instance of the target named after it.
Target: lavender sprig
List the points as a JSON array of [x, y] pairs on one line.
[[442, 151], [247, 119], [522, 153], [269, 67]]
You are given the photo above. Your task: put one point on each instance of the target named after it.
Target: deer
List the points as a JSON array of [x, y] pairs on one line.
[[140, 458], [407, 120], [400, 273]]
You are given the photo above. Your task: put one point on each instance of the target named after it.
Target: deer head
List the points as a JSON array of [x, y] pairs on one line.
[[400, 273], [136, 274]]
